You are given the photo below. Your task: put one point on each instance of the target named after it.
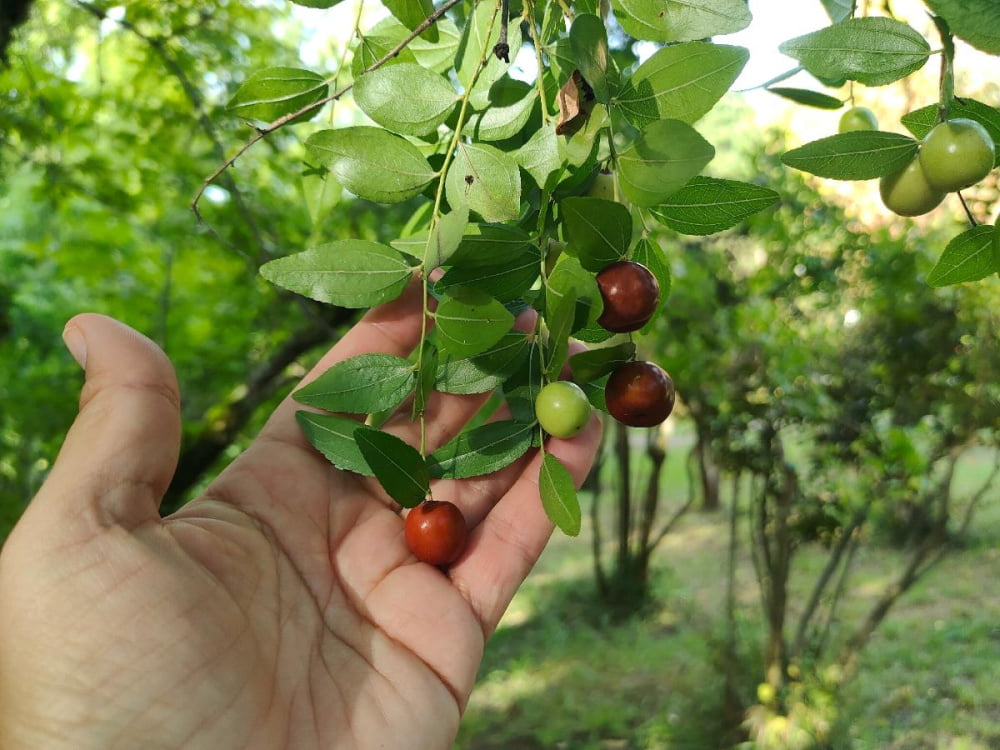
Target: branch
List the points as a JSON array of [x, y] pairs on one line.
[[263, 132], [158, 45]]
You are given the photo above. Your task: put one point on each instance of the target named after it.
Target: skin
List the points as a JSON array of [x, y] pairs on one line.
[[280, 609]]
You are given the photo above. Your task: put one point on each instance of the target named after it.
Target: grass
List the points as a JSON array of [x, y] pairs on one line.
[[560, 673]]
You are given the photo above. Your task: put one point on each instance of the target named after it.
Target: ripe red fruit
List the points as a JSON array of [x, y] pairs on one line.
[[630, 293], [436, 532], [640, 394]]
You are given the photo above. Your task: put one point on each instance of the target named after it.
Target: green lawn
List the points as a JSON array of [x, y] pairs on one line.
[[560, 674]]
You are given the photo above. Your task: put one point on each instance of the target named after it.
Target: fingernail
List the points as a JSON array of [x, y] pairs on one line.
[[76, 344]]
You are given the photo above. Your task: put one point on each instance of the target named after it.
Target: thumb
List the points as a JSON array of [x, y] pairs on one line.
[[120, 453]]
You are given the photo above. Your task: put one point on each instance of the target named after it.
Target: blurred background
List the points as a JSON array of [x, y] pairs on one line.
[[805, 556]]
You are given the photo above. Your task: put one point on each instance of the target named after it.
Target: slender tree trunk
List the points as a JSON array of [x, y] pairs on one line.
[[708, 473]]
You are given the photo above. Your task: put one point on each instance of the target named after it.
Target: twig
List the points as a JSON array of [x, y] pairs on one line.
[[501, 49], [263, 132]]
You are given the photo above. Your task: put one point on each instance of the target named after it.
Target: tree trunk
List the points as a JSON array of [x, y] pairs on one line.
[[708, 473]]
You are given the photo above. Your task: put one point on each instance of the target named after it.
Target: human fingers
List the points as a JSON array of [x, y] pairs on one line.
[[121, 451], [506, 544]]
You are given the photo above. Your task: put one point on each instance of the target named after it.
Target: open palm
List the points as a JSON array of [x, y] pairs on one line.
[[281, 609]]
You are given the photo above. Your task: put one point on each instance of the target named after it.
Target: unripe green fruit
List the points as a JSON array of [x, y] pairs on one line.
[[857, 118], [562, 409], [603, 186], [956, 153], [907, 192]]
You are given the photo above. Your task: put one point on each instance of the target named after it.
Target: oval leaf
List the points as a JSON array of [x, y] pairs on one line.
[[333, 436], [681, 20], [275, 92], [680, 82], [361, 384], [588, 40], [595, 363], [405, 98], [598, 231], [861, 155], [397, 466], [975, 21], [467, 67], [808, 98], [968, 257], [486, 180], [372, 163], [661, 160], [348, 273], [481, 450], [469, 321], [558, 493], [874, 51], [489, 244], [505, 282], [707, 204], [483, 372]]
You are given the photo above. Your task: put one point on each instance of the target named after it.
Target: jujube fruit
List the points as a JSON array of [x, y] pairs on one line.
[[436, 532], [857, 118], [603, 186], [562, 409], [907, 191], [640, 394], [955, 154], [630, 293]]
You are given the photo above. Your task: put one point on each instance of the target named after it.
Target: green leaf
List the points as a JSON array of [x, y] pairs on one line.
[[595, 393], [539, 157], [469, 321], [920, 121], [975, 21], [348, 273], [372, 163], [707, 205], [661, 160], [595, 363], [860, 155], [838, 10], [570, 280], [968, 257], [489, 244], [316, 3], [506, 281], [471, 47], [271, 93], [412, 13], [378, 42], [560, 314], [445, 238], [486, 180], [558, 493], [483, 372], [588, 41], [438, 55], [361, 384], [481, 450], [405, 98], [807, 97], [681, 20], [510, 105], [651, 255], [333, 436], [426, 377], [522, 387], [397, 466], [321, 192], [680, 82], [598, 231], [874, 51]]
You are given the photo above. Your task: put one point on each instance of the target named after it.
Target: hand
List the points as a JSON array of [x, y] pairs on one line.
[[281, 609]]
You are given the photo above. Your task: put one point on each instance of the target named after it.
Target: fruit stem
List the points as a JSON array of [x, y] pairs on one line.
[[947, 80], [968, 211], [529, 12]]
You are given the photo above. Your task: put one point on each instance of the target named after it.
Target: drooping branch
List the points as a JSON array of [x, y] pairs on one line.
[[263, 132], [159, 46]]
